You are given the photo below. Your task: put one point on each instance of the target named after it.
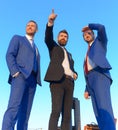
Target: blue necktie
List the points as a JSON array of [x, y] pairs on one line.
[[35, 58]]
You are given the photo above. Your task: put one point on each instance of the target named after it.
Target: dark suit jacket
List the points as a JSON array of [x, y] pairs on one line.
[[55, 71], [20, 57], [98, 49]]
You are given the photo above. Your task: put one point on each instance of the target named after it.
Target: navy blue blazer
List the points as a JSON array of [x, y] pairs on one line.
[[98, 49], [20, 57]]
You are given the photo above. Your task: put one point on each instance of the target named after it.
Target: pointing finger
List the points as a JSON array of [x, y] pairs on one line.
[[52, 11]]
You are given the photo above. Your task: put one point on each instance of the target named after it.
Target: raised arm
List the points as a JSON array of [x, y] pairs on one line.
[[101, 32], [49, 30]]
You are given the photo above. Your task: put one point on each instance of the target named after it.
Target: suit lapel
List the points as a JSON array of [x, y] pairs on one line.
[[28, 43]]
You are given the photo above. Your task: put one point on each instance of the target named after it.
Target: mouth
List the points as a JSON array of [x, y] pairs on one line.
[[63, 40], [87, 37], [29, 29]]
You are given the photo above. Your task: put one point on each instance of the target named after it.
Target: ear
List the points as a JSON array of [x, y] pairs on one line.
[[93, 36], [36, 30]]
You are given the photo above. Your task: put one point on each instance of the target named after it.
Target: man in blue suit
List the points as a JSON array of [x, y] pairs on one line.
[[23, 61], [97, 76]]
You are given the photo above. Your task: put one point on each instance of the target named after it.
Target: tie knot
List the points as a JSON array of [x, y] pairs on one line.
[[31, 40], [89, 46]]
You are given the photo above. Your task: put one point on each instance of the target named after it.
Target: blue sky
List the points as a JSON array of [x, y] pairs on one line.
[[72, 16]]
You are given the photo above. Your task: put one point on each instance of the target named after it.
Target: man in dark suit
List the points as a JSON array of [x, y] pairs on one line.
[[61, 76], [97, 76], [23, 61]]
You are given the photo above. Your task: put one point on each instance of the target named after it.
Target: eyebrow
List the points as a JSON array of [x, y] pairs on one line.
[[88, 32]]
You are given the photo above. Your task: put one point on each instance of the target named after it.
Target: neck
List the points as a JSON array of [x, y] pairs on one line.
[[30, 36], [90, 43]]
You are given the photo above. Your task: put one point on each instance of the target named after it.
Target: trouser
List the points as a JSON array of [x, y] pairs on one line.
[[62, 98], [20, 103], [98, 86]]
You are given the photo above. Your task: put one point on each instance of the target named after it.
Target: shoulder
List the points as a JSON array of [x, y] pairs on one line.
[[17, 40], [16, 37], [69, 53], [56, 47]]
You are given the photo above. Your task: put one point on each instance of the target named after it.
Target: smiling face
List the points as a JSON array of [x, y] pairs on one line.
[[31, 28], [88, 36]]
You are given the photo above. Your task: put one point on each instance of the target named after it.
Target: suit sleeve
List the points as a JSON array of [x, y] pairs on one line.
[[49, 37], [101, 31], [12, 54]]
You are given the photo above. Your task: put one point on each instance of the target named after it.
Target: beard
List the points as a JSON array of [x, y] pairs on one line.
[[62, 42]]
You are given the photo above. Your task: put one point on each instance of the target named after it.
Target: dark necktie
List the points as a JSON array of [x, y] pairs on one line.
[[86, 61]]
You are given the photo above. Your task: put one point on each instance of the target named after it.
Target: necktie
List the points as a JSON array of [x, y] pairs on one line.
[[35, 58], [86, 61], [32, 43]]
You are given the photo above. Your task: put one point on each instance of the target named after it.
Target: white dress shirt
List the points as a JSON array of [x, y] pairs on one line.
[[30, 39], [90, 64], [66, 64]]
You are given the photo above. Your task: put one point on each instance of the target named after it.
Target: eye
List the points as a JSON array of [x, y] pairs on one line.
[[89, 33]]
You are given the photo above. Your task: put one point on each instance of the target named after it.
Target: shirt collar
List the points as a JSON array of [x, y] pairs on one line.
[[90, 44], [29, 37]]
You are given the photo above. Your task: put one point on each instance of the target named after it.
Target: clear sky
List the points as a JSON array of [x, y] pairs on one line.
[[72, 16]]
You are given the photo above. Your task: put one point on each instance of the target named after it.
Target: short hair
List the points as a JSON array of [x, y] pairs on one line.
[[64, 31], [33, 22]]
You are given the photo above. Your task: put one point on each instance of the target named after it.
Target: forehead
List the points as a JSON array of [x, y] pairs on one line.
[[90, 32], [63, 34], [31, 23], [87, 31]]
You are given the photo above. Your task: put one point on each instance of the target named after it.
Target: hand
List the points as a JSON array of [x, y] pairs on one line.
[[16, 74], [52, 17], [86, 95], [75, 76], [85, 28]]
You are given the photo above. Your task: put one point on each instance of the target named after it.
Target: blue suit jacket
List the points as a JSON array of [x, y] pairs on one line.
[[20, 56], [98, 49]]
